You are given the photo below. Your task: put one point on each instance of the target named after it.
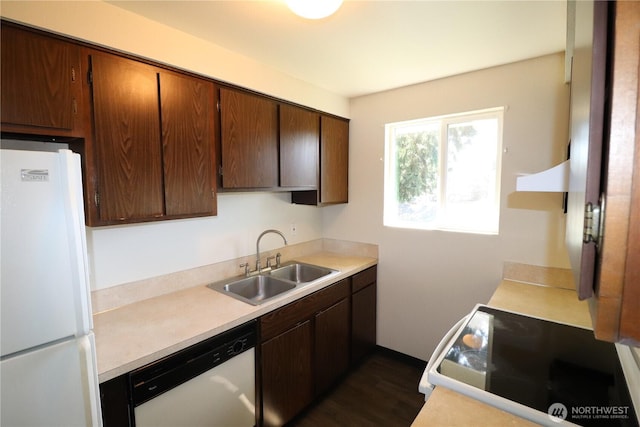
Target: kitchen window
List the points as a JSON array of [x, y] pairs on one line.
[[443, 173]]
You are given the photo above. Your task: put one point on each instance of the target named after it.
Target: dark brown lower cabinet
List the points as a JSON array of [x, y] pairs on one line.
[[114, 399], [363, 313], [305, 349], [332, 345], [287, 374]]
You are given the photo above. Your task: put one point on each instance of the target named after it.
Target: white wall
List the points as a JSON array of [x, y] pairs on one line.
[[428, 279], [123, 254]]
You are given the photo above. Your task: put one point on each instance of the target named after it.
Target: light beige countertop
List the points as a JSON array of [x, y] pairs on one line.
[[135, 334], [558, 303], [546, 302]]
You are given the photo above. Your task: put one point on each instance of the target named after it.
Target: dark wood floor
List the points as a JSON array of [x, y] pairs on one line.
[[381, 391]]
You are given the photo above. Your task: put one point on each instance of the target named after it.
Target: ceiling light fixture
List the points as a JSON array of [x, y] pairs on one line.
[[314, 9]]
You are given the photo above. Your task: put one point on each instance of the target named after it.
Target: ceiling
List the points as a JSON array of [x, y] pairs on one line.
[[371, 46]]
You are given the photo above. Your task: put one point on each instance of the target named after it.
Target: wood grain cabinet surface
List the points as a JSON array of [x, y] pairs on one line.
[[605, 155], [334, 163], [615, 310], [287, 374], [294, 366], [127, 139], [41, 86], [188, 144], [249, 140], [299, 147], [153, 142], [333, 181]]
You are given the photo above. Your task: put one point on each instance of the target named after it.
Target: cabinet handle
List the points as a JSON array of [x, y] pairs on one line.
[[73, 74]]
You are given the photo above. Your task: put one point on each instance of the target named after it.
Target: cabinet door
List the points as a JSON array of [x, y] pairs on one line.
[[299, 147], [249, 132], [287, 376], [334, 160], [127, 138], [587, 131], [40, 83], [331, 345], [187, 144], [363, 318], [615, 308]]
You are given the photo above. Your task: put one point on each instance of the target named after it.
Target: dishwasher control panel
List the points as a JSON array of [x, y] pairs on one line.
[[171, 371], [240, 345]]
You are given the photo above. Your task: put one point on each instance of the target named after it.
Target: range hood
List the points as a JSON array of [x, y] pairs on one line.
[[555, 179]]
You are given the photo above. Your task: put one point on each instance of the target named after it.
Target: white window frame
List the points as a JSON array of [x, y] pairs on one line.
[[390, 216]]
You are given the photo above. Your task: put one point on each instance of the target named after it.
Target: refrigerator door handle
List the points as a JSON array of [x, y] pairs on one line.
[[425, 387], [87, 349], [71, 171]]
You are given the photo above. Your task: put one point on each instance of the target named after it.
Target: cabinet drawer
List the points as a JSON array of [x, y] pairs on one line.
[[284, 318], [363, 279]]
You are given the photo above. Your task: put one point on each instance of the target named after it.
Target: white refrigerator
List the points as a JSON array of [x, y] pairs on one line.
[[48, 373]]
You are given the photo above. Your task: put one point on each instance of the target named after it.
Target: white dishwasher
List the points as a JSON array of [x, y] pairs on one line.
[[210, 384]]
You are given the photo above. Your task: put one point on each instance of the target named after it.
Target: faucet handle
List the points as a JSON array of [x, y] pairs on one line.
[[269, 261], [278, 256], [246, 268]]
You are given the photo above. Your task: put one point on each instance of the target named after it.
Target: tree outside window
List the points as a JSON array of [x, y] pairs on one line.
[[444, 172]]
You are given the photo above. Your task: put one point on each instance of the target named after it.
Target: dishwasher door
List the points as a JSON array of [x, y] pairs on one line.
[[222, 396], [209, 384]]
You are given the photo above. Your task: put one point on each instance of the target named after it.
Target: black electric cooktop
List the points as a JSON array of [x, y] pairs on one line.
[[560, 370]]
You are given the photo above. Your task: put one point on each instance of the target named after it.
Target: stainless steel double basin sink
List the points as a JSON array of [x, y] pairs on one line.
[[262, 287]]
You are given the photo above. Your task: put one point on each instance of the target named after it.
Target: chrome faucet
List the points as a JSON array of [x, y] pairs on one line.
[[258, 268]]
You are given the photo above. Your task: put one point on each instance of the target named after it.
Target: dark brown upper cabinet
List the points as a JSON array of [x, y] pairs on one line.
[[153, 142], [249, 140], [188, 148], [127, 139], [603, 218], [334, 165], [299, 147], [588, 79], [41, 88], [334, 160]]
